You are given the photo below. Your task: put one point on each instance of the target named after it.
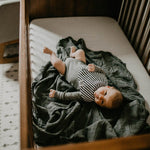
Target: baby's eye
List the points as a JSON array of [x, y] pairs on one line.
[[105, 93], [102, 102]]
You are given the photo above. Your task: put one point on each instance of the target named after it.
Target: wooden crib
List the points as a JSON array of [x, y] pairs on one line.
[[117, 9]]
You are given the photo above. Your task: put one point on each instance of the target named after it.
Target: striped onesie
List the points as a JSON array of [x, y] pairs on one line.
[[84, 81]]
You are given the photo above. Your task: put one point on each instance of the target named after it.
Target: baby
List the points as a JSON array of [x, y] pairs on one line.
[[89, 80]]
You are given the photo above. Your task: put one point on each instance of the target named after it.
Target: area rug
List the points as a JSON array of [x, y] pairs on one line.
[[9, 107]]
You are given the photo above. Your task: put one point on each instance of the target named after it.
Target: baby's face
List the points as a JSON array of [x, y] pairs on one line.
[[105, 95]]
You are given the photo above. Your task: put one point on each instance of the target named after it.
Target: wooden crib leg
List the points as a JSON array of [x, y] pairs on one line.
[[3, 59]]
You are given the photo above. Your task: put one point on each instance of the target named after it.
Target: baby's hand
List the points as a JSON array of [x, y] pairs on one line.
[[52, 93], [91, 67]]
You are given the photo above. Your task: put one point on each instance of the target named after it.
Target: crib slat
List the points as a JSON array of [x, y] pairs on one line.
[[124, 12], [135, 22], [142, 24], [134, 14], [144, 39], [148, 65], [121, 12], [129, 12], [146, 54]]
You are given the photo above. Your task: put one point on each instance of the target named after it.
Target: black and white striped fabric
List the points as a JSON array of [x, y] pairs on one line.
[[89, 82]]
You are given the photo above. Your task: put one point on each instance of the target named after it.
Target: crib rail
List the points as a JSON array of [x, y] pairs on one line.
[[32, 9], [135, 22], [53, 8]]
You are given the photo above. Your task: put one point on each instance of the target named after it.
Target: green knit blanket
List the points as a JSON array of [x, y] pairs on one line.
[[59, 122]]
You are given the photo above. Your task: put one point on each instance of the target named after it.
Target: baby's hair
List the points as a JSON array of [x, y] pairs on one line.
[[117, 101]]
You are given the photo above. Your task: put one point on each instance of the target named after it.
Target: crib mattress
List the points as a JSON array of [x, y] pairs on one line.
[[99, 33]]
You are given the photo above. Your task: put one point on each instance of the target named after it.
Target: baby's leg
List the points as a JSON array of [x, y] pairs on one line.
[[56, 62], [78, 54]]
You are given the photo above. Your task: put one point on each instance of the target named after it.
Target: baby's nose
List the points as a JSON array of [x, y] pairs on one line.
[[100, 96]]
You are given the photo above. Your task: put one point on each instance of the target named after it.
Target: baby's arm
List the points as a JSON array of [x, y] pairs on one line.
[[68, 96], [92, 68]]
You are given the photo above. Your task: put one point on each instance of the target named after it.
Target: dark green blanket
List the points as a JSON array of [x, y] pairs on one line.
[[56, 122]]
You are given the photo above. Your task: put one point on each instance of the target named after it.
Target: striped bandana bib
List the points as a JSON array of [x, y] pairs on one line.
[[89, 82]]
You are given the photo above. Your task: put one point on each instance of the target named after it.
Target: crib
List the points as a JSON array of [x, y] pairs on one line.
[[34, 21]]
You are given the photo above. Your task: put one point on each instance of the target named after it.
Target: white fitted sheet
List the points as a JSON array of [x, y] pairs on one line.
[[99, 33]]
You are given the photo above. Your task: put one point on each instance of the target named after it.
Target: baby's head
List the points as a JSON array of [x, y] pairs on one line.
[[108, 97]]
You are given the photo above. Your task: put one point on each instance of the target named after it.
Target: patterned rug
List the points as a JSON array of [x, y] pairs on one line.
[[9, 107]]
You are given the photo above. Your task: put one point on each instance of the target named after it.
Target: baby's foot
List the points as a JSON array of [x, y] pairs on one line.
[[47, 51], [73, 49]]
